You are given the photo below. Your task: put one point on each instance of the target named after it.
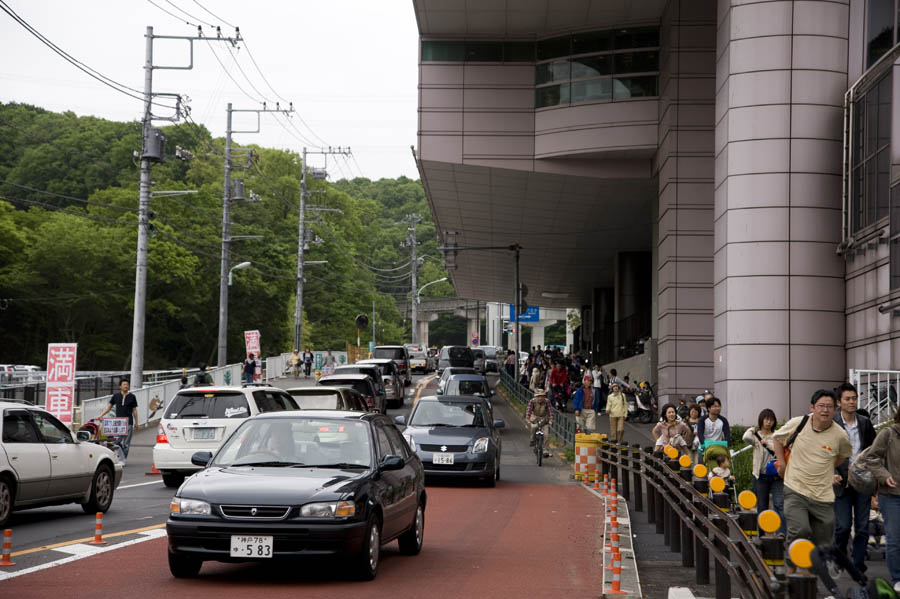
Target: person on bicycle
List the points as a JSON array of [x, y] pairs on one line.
[[559, 382], [539, 410], [294, 362]]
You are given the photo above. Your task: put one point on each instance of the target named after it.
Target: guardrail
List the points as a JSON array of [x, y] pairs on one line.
[[563, 427], [699, 524]]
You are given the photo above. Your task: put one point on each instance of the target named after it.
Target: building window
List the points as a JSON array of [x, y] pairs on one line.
[[880, 28], [477, 51], [870, 159]]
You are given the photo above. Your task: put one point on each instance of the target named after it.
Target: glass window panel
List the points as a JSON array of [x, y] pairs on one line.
[[883, 164], [548, 72], [879, 29], [895, 210], [518, 52], [636, 37], [634, 87], [443, 51], [871, 192], [591, 66], [884, 111], [553, 48], [595, 89], [484, 51], [895, 263], [552, 95], [858, 198], [859, 131], [594, 41], [637, 62], [871, 123]]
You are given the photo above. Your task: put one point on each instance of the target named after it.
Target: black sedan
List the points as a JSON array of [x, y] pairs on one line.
[[455, 436], [295, 484]]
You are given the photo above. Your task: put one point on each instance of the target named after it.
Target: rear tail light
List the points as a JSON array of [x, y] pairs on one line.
[[402, 366], [161, 435]]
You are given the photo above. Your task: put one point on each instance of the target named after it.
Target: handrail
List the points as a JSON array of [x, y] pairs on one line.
[[564, 426]]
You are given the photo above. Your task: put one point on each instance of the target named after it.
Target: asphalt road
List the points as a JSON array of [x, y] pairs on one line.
[[488, 538]]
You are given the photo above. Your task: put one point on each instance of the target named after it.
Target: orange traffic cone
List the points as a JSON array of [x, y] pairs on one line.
[[98, 531], [153, 471], [616, 576], [7, 548]]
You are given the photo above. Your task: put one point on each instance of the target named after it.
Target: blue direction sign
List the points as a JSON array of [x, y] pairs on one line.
[[533, 314]]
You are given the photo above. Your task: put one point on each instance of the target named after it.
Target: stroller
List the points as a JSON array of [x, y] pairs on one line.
[[862, 588], [92, 431]]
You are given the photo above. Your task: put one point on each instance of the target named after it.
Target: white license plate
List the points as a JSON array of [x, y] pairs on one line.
[[204, 434], [251, 546], [442, 458]]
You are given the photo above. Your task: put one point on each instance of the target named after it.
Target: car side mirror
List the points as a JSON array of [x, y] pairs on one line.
[[82, 436], [201, 458], [439, 391], [499, 423], [391, 462], [401, 420]]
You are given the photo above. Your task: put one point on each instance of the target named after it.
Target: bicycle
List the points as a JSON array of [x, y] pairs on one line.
[[539, 440]]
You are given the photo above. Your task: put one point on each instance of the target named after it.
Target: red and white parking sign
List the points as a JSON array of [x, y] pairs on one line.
[[61, 366]]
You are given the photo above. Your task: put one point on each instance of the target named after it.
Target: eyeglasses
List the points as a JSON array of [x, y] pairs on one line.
[[823, 406]]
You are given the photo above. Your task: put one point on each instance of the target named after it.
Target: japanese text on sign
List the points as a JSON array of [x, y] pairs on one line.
[[61, 366], [115, 427]]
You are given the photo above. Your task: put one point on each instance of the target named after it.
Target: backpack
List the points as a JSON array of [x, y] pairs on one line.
[[880, 588], [790, 443]]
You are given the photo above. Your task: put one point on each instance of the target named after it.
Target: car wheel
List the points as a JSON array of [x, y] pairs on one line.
[[411, 540], [497, 471], [172, 479], [7, 499], [491, 481], [183, 566], [101, 491], [407, 382], [367, 560]]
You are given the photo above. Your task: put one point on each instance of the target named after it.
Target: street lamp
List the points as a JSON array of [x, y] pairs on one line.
[[240, 266], [415, 311]]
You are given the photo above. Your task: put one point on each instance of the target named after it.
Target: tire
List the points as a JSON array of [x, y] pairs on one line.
[[497, 473], [172, 479], [539, 447], [101, 491], [491, 481], [7, 500], [411, 541], [366, 562], [184, 566]]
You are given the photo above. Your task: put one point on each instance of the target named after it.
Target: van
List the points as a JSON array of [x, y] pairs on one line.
[[400, 355], [455, 355]]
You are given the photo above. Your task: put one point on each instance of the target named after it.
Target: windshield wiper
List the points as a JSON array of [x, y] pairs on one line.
[[270, 464], [342, 465], [432, 424]]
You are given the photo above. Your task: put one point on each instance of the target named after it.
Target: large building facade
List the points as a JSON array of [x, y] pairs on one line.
[[710, 178]]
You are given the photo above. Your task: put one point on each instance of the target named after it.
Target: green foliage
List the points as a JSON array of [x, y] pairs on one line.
[[741, 465], [67, 261]]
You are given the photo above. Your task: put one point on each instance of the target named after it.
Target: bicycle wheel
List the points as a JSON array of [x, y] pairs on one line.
[[539, 446]]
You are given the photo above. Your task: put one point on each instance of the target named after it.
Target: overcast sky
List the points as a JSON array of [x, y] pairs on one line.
[[349, 66]]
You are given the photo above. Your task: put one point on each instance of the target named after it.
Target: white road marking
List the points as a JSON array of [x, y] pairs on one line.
[[79, 549], [155, 533], [74, 558], [152, 482]]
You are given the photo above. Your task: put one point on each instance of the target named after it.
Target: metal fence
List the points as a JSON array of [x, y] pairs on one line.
[[563, 427], [877, 392]]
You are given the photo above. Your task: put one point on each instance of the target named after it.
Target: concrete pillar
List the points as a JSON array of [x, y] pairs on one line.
[[423, 332], [781, 74], [537, 335], [471, 329], [570, 335], [685, 168]]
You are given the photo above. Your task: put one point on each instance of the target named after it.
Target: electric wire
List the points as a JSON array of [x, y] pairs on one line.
[[173, 15], [54, 208], [67, 197], [214, 14], [95, 74], [233, 80], [67, 297], [178, 8]]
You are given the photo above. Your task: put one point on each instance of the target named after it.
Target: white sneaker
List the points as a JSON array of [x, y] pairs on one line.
[[834, 571], [897, 587]]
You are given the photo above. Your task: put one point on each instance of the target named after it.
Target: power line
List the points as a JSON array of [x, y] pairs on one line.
[[54, 208], [178, 8], [107, 81], [233, 80], [241, 69], [67, 197], [173, 15], [214, 14]]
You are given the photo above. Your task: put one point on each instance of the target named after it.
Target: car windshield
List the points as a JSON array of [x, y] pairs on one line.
[[417, 355], [490, 353], [448, 413], [298, 442], [465, 387], [391, 353], [326, 400], [459, 353], [228, 404]]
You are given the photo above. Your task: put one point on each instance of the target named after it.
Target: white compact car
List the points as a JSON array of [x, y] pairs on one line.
[[202, 418], [41, 463]]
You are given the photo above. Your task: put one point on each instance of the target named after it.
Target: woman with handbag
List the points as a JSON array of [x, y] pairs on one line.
[[765, 474], [671, 430], [884, 461]]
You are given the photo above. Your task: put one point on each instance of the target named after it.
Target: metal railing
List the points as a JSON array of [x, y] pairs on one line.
[[699, 526], [877, 391], [563, 427]]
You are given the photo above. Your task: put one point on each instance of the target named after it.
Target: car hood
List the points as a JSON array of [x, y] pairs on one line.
[[442, 435], [273, 486]]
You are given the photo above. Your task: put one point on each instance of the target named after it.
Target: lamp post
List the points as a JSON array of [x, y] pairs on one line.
[[223, 314], [240, 266], [415, 311]]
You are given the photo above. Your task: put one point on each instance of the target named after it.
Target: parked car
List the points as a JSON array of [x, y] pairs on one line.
[[393, 382], [455, 355], [201, 418], [448, 372], [362, 384], [491, 359], [469, 384], [41, 463], [373, 371], [421, 362], [400, 356], [302, 483], [455, 436], [329, 398], [478, 363]]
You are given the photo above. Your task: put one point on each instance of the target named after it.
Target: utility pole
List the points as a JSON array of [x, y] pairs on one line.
[[152, 149], [516, 248], [301, 233], [413, 220], [227, 238]]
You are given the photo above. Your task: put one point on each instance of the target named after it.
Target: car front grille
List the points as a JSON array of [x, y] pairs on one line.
[[266, 512], [450, 448], [471, 466]]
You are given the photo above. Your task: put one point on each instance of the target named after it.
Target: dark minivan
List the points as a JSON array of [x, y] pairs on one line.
[[400, 355], [455, 355]]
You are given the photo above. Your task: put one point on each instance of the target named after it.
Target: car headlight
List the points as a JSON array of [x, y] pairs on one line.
[[192, 507], [481, 445], [410, 441], [328, 509]]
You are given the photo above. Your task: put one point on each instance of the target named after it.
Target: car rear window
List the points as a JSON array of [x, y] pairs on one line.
[[362, 387], [457, 353], [208, 405], [490, 353], [464, 387], [370, 371], [390, 353], [272, 401], [417, 355], [317, 401]]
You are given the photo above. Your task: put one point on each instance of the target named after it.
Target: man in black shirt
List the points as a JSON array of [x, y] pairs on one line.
[[126, 406]]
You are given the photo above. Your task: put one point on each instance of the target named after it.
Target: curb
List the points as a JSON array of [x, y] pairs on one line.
[[630, 583]]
